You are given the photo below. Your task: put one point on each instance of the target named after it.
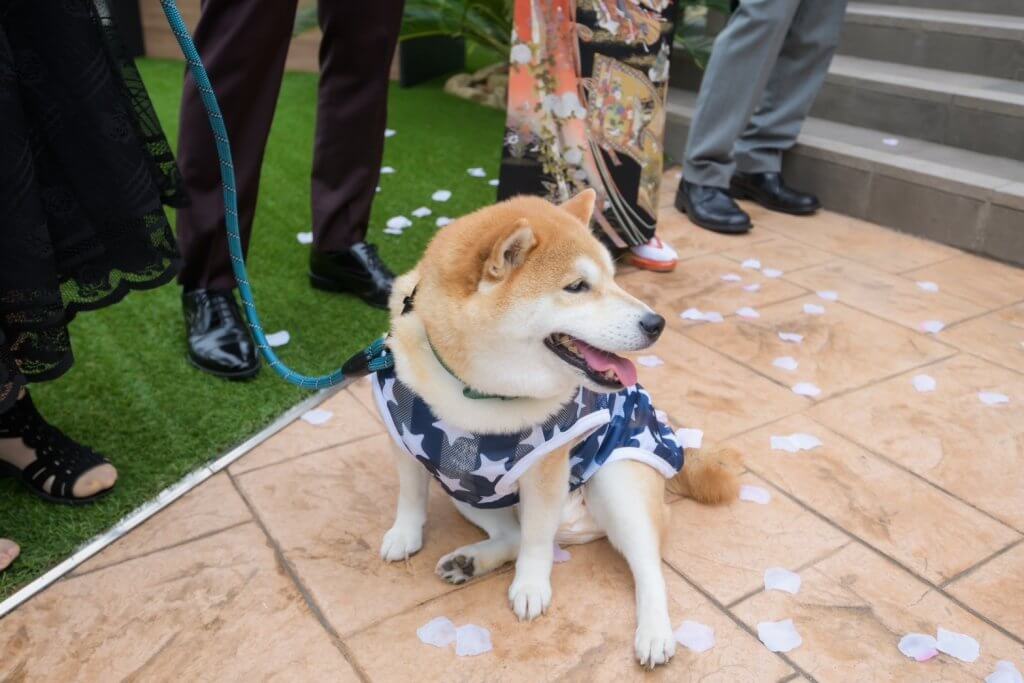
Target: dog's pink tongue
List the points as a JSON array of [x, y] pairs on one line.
[[602, 360]]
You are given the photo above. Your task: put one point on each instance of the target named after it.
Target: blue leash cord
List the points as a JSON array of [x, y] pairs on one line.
[[373, 358]]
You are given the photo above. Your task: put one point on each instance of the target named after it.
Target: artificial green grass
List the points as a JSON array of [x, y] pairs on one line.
[[132, 395]]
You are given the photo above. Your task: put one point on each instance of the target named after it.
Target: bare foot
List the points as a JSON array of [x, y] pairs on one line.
[[9, 551]]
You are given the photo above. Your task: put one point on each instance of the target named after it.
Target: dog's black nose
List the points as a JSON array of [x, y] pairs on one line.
[[652, 324]]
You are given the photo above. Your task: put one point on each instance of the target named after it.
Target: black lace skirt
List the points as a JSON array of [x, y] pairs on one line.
[[84, 171]]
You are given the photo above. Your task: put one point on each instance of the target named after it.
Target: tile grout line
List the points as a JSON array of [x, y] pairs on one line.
[[898, 465], [984, 313], [321, 449], [981, 563], [304, 592], [809, 563], [452, 590], [201, 537], [734, 618], [931, 586], [162, 500], [953, 351]]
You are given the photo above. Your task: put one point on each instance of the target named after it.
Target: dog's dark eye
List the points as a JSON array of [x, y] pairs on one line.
[[577, 287]]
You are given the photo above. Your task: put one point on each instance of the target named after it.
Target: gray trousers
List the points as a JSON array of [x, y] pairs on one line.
[[765, 70]]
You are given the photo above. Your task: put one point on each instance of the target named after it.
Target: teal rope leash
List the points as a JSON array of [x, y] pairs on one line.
[[373, 358]]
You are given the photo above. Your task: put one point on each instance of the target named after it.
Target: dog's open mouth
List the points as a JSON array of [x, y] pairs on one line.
[[600, 366]]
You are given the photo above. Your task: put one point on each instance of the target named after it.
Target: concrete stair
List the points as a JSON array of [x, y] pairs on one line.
[[920, 124]]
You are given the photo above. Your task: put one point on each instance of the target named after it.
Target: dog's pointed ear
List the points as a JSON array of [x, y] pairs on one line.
[[581, 206], [510, 251]]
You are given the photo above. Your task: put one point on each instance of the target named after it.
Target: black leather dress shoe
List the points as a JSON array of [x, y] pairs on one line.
[[219, 341], [770, 191], [357, 271], [712, 208]]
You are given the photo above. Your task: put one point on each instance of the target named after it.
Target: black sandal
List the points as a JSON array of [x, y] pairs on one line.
[[57, 455]]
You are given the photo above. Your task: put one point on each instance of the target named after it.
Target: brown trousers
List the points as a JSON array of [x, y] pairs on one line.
[[243, 44]]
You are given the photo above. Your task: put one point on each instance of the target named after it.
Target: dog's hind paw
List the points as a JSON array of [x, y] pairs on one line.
[[401, 543], [529, 599], [456, 567], [654, 645]]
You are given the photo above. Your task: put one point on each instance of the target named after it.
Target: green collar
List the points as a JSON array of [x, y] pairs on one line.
[[467, 391]]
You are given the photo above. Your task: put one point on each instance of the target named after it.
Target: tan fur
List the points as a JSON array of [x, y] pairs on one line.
[[708, 477]]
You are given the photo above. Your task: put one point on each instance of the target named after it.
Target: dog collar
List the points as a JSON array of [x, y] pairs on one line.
[[408, 303]]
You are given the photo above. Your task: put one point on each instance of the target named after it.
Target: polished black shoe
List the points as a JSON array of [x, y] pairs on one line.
[[219, 341], [357, 271], [712, 208], [770, 191]]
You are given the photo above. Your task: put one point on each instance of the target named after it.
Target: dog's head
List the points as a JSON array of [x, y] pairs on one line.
[[519, 299]]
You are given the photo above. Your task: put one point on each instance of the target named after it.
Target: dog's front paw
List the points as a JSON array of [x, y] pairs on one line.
[[530, 598], [456, 567], [655, 644], [400, 543]]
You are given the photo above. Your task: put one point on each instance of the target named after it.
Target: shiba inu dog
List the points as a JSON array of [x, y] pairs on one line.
[[507, 389]]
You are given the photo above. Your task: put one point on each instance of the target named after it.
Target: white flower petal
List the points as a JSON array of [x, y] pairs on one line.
[[791, 337], [520, 54], [829, 295], [751, 263], [806, 389], [779, 579], [561, 554], [918, 646], [779, 636], [695, 636], [1005, 672], [958, 645], [421, 212], [993, 398], [493, 182], [441, 195], [731, 277], [713, 317], [786, 363], [477, 172], [317, 416], [932, 326], [753, 287], [472, 640], [772, 272], [304, 237], [390, 132], [398, 222], [386, 170], [755, 494], [805, 442], [275, 339], [650, 361], [891, 142], [814, 309], [442, 221], [747, 312], [439, 632], [928, 286], [924, 383], [690, 438]]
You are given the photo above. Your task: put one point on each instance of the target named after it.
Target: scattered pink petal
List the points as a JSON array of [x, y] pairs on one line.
[[779, 579], [958, 645], [755, 494], [439, 632], [695, 636], [779, 636], [561, 554], [918, 646]]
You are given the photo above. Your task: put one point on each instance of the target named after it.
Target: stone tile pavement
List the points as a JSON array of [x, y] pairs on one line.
[[908, 517]]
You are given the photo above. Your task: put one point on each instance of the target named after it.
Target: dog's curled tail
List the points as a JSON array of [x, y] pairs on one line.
[[708, 477]]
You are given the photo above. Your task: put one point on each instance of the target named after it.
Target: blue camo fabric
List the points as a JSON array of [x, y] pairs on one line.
[[484, 469]]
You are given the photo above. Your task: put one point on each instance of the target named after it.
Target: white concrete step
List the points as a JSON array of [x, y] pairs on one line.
[[969, 42], [966, 199]]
